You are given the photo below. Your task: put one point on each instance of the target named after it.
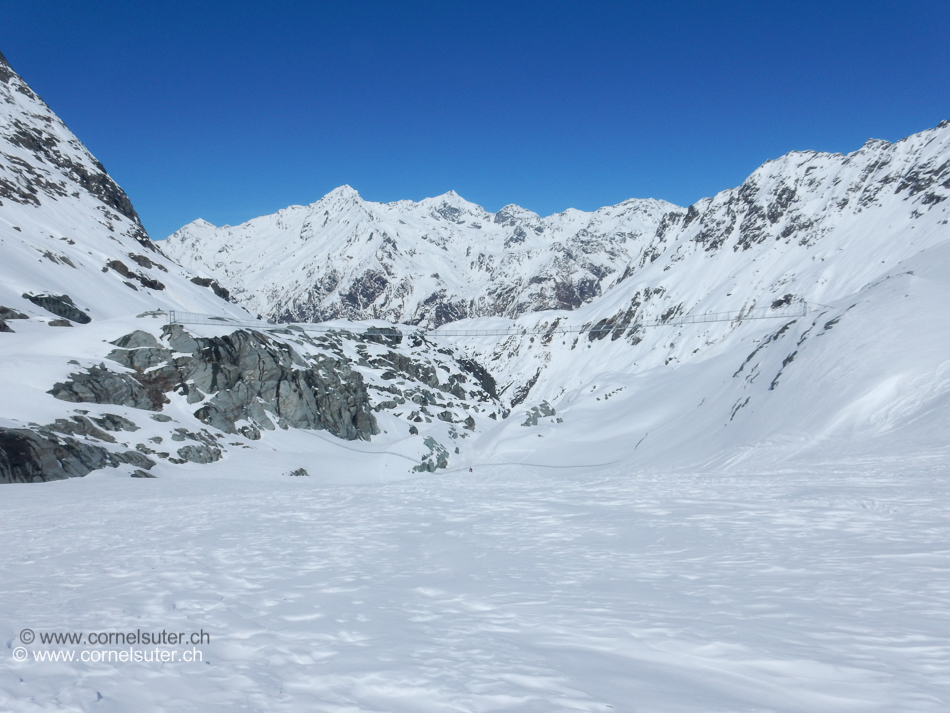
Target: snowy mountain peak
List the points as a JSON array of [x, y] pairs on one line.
[[443, 258], [68, 230], [428, 262], [345, 192], [875, 145]]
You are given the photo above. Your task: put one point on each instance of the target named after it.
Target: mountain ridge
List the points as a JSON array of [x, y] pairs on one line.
[[864, 235], [526, 263], [399, 276]]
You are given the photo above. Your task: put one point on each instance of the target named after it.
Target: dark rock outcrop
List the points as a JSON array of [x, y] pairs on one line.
[[98, 385], [8, 313], [32, 456], [60, 305], [213, 286], [253, 378], [437, 457], [243, 377]]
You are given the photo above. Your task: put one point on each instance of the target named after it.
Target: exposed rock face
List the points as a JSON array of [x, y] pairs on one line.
[[61, 306], [242, 377], [29, 456], [250, 375], [542, 410], [437, 457], [429, 263], [8, 313], [250, 381], [52, 162], [213, 286], [99, 385]]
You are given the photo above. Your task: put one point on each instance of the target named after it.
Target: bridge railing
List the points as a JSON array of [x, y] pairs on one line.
[[799, 309]]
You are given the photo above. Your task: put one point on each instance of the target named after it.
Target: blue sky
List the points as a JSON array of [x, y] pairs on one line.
[[229, 110]]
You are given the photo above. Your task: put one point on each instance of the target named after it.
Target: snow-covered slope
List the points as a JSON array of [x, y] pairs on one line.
[[428, 263], [809, 226], [67, 229], [860, 240], [444, 259], [839, 235], [91, 374], [863, 239]]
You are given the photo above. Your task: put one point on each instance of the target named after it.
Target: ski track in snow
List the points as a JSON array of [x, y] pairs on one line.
[[508, 589]]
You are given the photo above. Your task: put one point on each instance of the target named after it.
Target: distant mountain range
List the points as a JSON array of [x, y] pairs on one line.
[[444, 259], [582, 354]]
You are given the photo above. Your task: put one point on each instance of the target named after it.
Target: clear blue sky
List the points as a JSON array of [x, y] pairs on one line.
[[229, 110]]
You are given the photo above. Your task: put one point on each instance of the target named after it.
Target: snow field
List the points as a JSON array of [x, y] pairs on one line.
[[507, 589]]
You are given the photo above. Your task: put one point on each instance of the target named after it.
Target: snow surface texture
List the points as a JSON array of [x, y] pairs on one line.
[[742, 515], [508, 589]]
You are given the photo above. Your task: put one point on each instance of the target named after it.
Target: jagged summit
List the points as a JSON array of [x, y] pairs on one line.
[[590, 338], [422, 262], [443, 258], [344, 191]]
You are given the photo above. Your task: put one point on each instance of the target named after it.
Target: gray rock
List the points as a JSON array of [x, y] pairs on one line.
[[214, 286], [112, 422], [437, 457], [80, 426], [61, 306], [4, 327], [60, 323], [141, 474], [98, 385], [8, 313], [30, 456], [199, 453], [140, 351], [299, 472], [544, 409], [137, 339], [132, 458], [250, 376]]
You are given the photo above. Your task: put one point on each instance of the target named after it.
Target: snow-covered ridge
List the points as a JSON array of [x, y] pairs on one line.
[[428, 262], [443, 258], [93, 376], [66, 228]]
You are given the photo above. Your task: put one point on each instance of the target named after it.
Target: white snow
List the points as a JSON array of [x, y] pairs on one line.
[[506, 589], [733, 516]]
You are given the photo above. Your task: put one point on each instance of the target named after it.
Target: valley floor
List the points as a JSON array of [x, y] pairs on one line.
[[506, 589]]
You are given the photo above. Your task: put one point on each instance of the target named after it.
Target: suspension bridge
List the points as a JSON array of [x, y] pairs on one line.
[[603, 327]]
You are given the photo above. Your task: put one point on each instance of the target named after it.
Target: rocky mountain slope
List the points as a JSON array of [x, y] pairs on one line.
[[93, 375], [444, 259], [830, 233], [834, 272], [426, 263], [807, 227], [73, 246]]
